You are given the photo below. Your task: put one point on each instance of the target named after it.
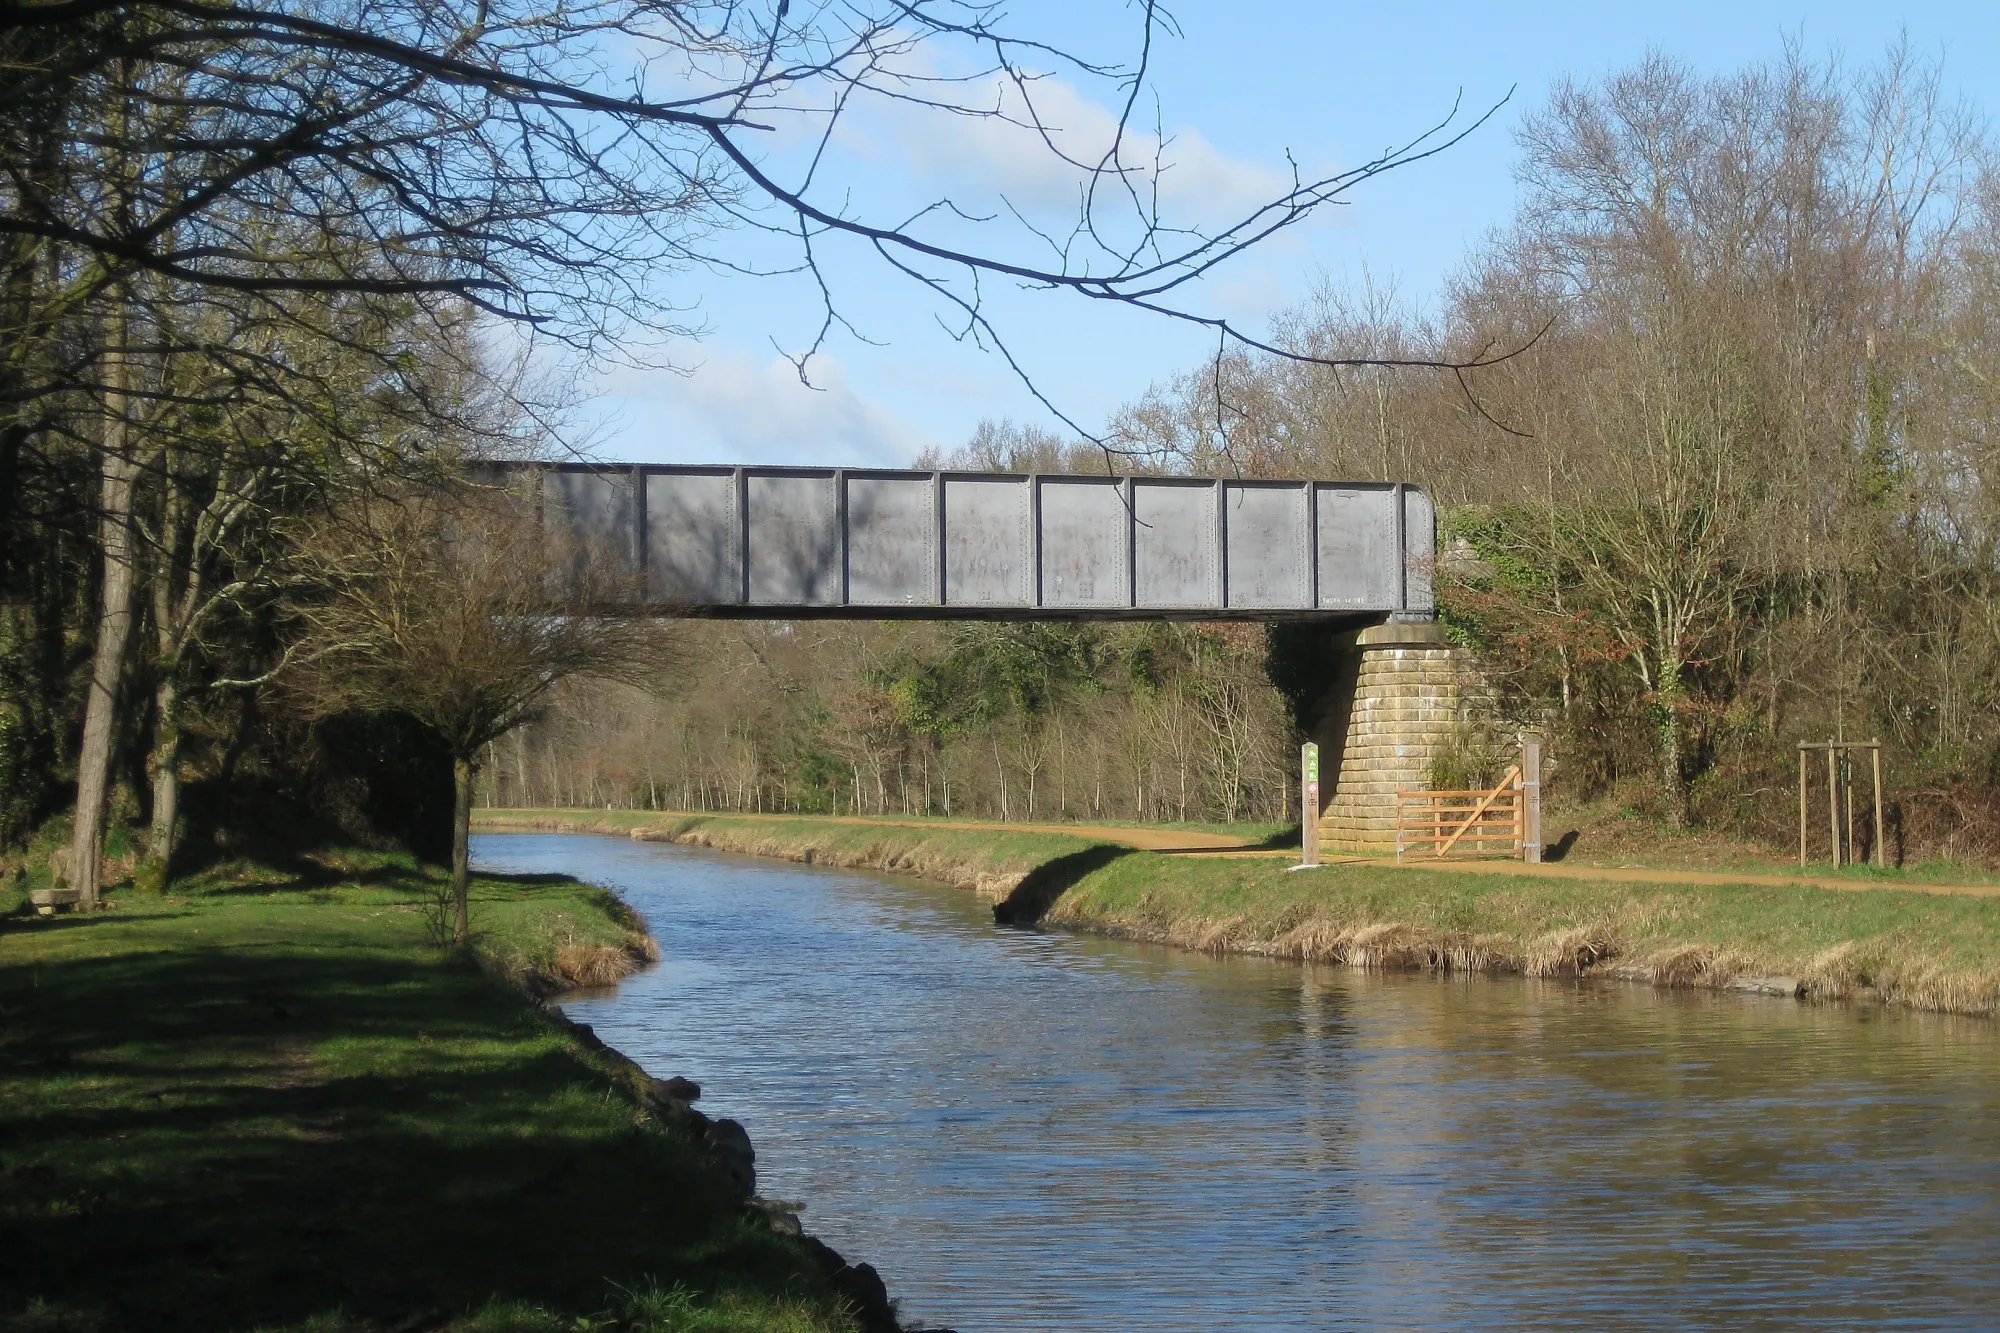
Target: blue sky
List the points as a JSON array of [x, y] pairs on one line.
[[1247, 82]]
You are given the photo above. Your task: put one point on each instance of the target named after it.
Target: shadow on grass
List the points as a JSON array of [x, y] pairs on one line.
[[250, 1137], [1283, 840], [27, 921], [526, 879], [1037, 892], [311, 878], [1560, 848]]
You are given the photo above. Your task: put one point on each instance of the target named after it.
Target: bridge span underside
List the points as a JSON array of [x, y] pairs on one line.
[[788, 543]]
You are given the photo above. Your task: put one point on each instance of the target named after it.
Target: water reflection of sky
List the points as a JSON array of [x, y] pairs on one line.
[[1024, 1129]]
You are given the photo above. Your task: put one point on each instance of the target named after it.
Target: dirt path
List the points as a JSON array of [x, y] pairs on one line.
[[1143, 838], [1643, 875], [1191, 842]]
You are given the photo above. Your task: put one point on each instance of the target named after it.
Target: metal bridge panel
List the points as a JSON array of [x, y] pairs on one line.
[[1357, 547], [1265, 559], [794, 540], [1419, 550], [595, 511], [694, 537], [1083, 542], [891, 541], [1174, 544], [987, 561]]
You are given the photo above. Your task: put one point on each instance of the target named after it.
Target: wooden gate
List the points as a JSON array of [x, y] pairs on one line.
[[1470, 823]]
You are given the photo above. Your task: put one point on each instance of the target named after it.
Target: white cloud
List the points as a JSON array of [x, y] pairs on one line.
[[1006, 155], [734, 409]]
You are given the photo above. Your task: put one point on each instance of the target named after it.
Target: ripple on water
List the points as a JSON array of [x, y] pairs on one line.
[[1024, 1129]]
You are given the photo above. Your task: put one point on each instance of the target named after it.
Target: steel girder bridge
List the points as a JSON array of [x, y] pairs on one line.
[[865, 543]]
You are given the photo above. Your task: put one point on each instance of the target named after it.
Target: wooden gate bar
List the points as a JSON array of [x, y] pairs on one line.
[[1452, 820], [1480, 809]]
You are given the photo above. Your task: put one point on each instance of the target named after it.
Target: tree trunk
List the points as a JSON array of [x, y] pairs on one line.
[[524, 794], [166, 774], [117, 485], [1000, 769], [1671, 783], [164, 764], [461, 834], [1062, 771]]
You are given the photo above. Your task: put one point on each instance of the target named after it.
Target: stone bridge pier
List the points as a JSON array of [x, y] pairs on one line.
[[1399, 691]]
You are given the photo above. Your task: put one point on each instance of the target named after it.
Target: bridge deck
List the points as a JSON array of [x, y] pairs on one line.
[[866, 543]]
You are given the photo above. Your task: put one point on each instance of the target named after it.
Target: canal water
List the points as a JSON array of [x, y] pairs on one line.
[[1027, 1130]]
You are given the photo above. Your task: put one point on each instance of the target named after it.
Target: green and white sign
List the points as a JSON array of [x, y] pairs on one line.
[[1309, 804]]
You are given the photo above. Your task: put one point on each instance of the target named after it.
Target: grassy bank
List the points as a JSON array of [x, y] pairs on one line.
[[266, 1101], [1928, 951]]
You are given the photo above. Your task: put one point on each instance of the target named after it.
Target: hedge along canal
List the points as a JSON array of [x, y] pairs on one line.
[[1902, 947], [1029, 1129]]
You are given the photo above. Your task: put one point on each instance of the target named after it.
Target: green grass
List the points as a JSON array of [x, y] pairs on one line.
[[266, 1101], [1931, 950]]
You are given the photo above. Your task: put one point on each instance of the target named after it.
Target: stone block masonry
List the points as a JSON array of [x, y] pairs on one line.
[[1389, 715]]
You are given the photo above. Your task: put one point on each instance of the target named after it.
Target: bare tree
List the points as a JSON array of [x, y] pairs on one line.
[[434, 602]]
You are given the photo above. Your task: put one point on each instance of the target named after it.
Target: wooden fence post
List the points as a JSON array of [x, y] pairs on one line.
[[1531, 799], [1847, 800], [1875, 757], [1802, 804]]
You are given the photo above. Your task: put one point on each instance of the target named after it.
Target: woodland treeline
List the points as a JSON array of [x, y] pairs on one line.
[[1735, 490], [991, 721]]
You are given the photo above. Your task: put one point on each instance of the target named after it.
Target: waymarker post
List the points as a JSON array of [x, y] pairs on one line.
[[1309, 804]]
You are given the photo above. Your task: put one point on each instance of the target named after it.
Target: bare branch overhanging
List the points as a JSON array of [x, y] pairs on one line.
[[473, 152]]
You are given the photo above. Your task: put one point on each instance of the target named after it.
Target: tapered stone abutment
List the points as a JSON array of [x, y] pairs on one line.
[[1389, 714]]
